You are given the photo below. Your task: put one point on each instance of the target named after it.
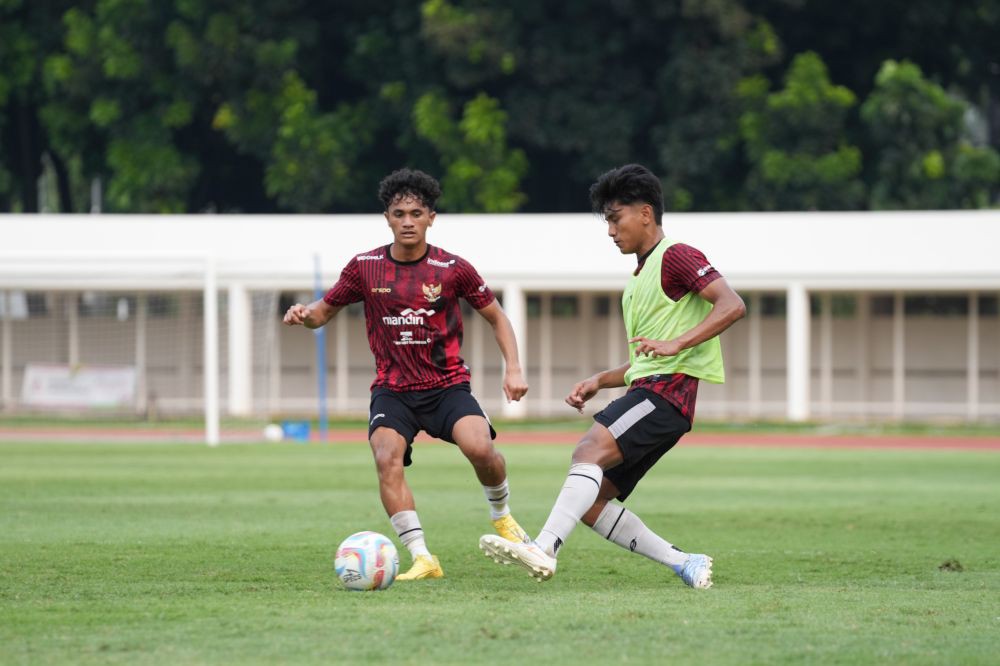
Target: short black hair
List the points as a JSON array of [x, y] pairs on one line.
[[628, 184], [409, 183]]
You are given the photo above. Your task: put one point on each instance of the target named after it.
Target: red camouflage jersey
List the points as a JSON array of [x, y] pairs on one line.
[[412, 314], [684, 269]]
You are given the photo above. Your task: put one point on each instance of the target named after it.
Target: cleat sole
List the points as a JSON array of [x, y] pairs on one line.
[[504, 555]]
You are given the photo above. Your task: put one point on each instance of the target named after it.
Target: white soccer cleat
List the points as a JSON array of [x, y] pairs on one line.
[[528, 555], [697, 572]]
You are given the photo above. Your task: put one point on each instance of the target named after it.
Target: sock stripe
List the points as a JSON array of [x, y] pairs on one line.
[[415, 529], [498, 499], [612, 530], [586, 477]]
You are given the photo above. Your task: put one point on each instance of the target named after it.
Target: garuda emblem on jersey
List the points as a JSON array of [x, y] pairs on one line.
[[432, 292]]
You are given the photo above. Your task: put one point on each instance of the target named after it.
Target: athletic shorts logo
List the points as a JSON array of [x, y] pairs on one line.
[[440, 264], [377, 417], [432, 292]]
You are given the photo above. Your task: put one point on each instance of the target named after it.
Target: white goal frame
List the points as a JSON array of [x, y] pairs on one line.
[[76, 272]]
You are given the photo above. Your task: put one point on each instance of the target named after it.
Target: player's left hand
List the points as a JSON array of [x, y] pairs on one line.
[[514, 386], [656, 347], [582, 392]]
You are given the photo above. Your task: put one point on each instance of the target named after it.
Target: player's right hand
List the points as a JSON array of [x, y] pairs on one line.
[[582, 392], [296, 315]]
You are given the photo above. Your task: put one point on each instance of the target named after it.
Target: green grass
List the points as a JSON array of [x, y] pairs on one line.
[[178, 554]]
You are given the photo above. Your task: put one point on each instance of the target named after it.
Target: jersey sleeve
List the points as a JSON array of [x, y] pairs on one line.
[[685, 269], [471, 286], [348, 288]]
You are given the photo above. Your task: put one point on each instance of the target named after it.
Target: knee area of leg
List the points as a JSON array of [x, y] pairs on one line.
[[387, 459], [483, 454], [584, 451]]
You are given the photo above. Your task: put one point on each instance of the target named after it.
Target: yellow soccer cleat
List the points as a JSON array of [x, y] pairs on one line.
[[424, 566], [508, 528]]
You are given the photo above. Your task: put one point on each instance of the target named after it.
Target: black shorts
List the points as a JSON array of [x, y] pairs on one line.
[[645, 426], [435, 411]]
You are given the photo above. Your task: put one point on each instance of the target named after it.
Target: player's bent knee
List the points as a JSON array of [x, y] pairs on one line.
[[597, 450], [482, 454], [388, 463], [388, 450]]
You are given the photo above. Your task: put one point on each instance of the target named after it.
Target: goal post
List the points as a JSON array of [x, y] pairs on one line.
[[211, 353], [116, 338]]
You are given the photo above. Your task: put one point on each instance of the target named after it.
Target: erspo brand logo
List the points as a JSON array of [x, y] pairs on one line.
[[703, 270], [381, 290], [370, 257]]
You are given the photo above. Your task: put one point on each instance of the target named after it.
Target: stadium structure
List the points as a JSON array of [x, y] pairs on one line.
[[851, 316]]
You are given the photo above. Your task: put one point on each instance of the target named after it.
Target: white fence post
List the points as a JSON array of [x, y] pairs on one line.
[[211, 354]]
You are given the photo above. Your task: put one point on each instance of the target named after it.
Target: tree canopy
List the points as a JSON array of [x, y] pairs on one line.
[[290, 106]]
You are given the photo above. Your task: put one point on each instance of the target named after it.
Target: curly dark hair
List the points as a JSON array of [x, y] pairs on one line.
[[409, 183], [628, 184]]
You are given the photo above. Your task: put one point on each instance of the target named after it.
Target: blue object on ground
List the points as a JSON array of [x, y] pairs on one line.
[[296, 430]]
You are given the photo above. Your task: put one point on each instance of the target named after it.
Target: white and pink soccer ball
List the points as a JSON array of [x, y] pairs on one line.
[[367, 561]]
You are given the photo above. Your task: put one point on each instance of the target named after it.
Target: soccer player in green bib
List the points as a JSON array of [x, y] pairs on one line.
[[674, 306]]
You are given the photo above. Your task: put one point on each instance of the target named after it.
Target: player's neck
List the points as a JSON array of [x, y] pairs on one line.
[[650, 243], [406, 254]]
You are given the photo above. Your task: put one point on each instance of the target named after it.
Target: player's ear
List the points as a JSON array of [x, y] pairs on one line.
[[430, 217]]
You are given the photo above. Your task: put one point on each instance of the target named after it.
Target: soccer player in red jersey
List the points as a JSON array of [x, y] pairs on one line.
[[411, 292], [674, 306]]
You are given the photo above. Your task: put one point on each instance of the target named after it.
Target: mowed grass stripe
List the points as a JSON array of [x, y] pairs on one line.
[[152, 554]]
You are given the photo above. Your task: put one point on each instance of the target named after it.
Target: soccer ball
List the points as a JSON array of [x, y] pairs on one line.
[[366, 561], [273, 432]]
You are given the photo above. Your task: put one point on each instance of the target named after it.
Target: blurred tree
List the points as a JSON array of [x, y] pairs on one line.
[[713, 46], [113, 100], [430, 104], [287, 105], [197, 108], [954, 43], [590, 85], [925, 158], [795, 140], [481, 174], [28, 32]]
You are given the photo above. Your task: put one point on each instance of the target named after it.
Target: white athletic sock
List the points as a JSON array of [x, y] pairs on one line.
[[408, 529], [620, 526], [577, 495], [497, 497]]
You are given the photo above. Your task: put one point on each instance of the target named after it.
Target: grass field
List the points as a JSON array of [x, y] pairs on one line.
[[176, 554]]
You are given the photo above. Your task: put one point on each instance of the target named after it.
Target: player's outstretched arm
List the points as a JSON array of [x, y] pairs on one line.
[[314, 315], [514, 384], [727, 309], [588, 388]]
